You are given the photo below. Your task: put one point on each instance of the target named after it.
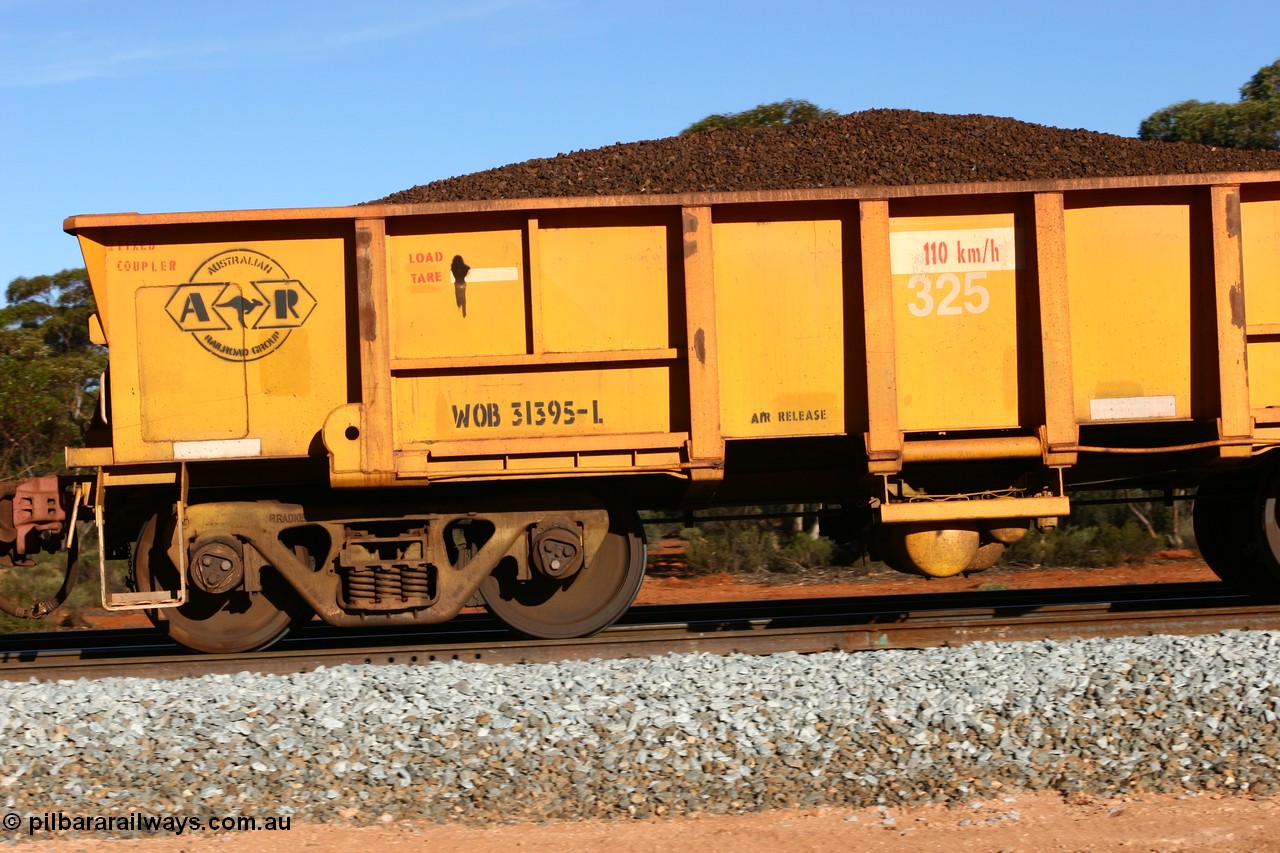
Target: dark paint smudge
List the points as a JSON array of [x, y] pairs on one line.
[[460, 269]]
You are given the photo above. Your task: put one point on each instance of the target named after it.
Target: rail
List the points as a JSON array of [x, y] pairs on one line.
[[759, 627]]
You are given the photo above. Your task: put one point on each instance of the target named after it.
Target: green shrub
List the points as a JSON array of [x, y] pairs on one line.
[[750, 547], [1086, 546], [1126, 543], [736, 547], [807, 552]]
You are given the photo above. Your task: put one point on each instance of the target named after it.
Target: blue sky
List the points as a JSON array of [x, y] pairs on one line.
[[114, 105]]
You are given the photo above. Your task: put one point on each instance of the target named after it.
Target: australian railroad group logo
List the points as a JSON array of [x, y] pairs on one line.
[[240, 305]]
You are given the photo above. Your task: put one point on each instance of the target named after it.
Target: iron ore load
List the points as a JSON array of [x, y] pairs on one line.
[[383, 413]]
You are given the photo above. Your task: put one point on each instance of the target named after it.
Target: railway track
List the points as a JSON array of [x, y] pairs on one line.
[[750, 627]]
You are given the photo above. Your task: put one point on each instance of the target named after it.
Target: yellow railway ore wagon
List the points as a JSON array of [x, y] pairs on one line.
[[379, 414]]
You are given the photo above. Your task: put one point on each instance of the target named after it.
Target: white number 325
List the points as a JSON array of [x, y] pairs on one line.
[[948, 295]]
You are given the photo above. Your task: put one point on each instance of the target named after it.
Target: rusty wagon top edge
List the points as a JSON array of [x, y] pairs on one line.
[[77, 223]]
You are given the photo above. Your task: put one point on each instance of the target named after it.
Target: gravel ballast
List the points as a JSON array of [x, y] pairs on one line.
[[663, 736]]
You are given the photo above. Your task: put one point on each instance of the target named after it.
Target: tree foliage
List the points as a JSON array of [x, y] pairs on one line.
[[49, 371], [1252, 122], [778, 114]]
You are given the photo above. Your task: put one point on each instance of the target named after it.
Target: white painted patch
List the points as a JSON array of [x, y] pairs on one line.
[[489, 274], [231, 448], [953, 250], [1132, 408]]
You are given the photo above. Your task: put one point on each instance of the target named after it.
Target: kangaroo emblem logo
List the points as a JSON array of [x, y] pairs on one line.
[[240, 305]]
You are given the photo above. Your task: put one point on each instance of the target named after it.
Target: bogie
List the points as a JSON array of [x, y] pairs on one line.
[[567, 569]]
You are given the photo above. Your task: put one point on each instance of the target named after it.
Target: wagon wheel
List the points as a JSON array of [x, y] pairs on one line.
[[223, 623], [589, 601], [1265, 568], [1220, 518]]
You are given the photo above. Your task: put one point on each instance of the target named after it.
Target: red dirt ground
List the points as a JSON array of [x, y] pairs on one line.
[[1164, 567]]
